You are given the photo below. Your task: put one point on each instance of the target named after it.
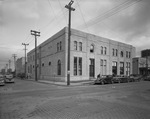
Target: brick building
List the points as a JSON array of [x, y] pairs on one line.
[[90, 55]]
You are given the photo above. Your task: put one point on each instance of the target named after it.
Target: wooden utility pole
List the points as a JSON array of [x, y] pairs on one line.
[[35, 33], [69, 34], [25, 61]]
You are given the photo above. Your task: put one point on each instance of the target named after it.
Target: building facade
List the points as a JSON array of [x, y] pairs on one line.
[[90, 55], [141, 65], [20, 66]]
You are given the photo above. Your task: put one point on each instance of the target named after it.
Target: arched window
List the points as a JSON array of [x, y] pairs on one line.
[[92, 48], [101, 49], [59, 67], [75, 45]]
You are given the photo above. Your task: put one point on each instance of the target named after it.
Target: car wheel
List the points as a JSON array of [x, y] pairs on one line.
[[102, 82]]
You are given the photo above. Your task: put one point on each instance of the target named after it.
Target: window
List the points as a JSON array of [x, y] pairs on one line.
[[92, 48], [126, 54], [101, 49], [49, 63], [80, 66], [60, 45], [129, 55], [121, 53], [114, 68], [113, 53], [75, 66], [80, 46], [42, 64], [116, 52], [57, 47], [105, 50], [121, 68], [59, 67], [75, 45]]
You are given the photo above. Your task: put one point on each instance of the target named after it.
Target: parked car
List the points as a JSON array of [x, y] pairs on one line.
[[120, 79], [105, 79], [9, 78], [135, 77], [147, 78], [2, 80]]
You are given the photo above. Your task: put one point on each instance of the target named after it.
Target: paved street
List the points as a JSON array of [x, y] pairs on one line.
[[33, 100]]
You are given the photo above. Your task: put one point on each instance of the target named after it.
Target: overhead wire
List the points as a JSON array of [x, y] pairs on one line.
[[110, 12]]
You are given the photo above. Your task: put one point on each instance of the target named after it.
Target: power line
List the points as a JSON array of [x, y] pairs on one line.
[[111, 12]]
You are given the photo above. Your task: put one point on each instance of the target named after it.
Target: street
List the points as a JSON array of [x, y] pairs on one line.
[[26, 99]]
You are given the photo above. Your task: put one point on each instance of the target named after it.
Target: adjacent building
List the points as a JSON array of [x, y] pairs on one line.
[[90, 55], [141, 65]]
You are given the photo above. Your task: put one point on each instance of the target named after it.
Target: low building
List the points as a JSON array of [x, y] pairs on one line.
[[141, 65], [90, 55], [20, 66]]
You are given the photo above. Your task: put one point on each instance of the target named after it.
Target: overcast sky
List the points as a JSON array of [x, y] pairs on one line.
[[127, 21]]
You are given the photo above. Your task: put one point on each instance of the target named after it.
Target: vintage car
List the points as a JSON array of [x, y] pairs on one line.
[[104, 79], [135, 78], [9, 78], [2, 80]]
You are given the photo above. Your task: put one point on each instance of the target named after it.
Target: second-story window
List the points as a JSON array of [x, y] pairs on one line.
[[57, 47], [80, 46], [121, 53], [60, 45], [92, 48], [101, 49], [75, 45], [113, 52], [105, 50]]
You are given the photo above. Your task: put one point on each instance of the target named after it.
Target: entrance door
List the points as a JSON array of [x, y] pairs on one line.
[[92, 67]]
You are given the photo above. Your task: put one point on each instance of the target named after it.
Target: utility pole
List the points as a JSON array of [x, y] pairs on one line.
[[69, 34], [14, 55], [9, 61], [25, 64], [35, 33]]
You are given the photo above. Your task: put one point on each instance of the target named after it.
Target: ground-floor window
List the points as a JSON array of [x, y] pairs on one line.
[[114, 68], [121, 68], [103, 66], [77, 66], [80, 66], [59, 67], [127, 68], [92, 67]]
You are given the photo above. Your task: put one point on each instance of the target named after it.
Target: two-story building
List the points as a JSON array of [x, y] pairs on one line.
[[89, 56]]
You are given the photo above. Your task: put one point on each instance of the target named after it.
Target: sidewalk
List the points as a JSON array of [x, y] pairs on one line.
[[72, 83]]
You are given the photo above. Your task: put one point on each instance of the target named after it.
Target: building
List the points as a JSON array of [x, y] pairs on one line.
[[20, 66], [141, 65], [90, 55]]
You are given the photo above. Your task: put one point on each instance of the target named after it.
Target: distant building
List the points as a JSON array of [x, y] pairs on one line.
[[90, 55], [141, 65], [20, 65]]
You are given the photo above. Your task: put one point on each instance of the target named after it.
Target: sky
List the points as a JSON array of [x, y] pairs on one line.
[[126, 21]]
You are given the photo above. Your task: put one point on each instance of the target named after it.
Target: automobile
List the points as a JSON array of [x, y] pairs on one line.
[[135, 77], [120, 79], [2, 80], [9, 78], [147, 78], [104, 79]]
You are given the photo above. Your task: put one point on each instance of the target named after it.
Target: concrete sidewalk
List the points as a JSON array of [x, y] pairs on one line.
[[72, 83]]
